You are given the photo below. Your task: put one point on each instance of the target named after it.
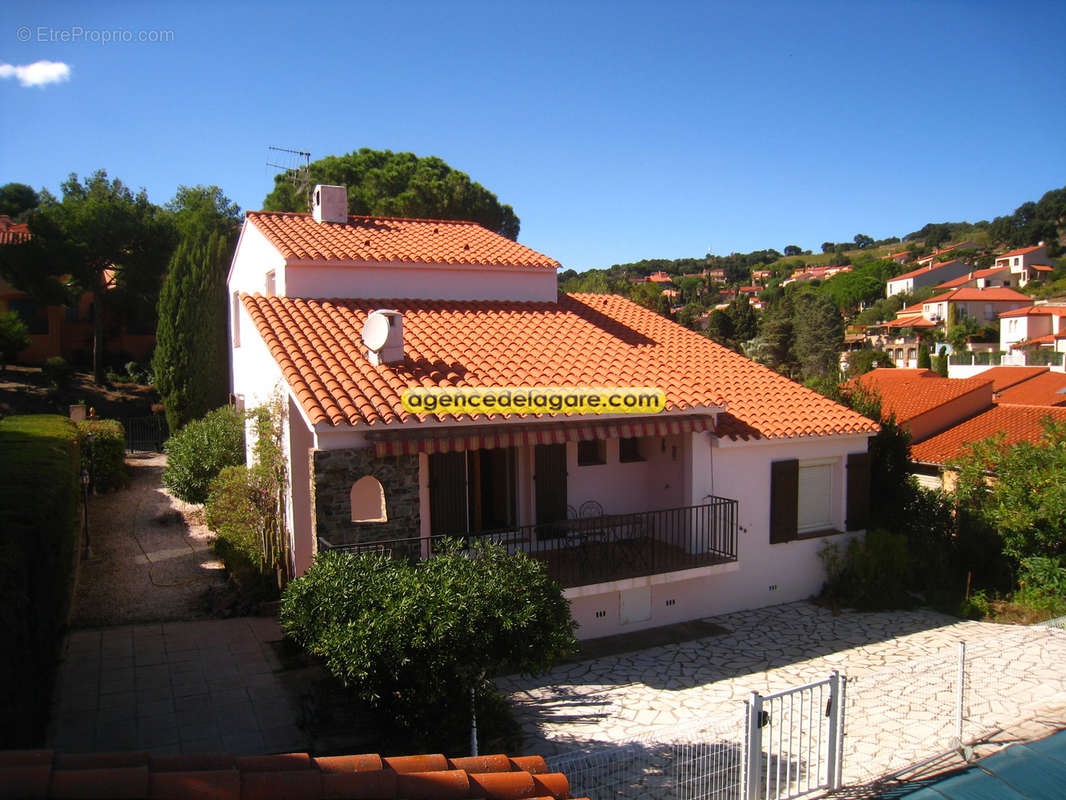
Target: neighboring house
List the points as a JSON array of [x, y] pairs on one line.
[[931, 275], [66, 331], [991, 278], [1034, 334], [922, 401], [929, 260], [722, 502], [901, 258], [761, 276], [983, 305], [816, 273], [1027, 263], [660, 277]]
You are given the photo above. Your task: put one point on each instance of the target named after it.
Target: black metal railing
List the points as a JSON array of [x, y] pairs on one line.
[[580, 552], [146, 434]]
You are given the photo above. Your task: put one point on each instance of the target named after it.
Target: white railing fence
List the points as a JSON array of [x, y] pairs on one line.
[[836, 732]]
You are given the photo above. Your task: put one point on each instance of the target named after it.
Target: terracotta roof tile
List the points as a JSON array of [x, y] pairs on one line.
[[1021, 251], [1005, 377], [922, 270], [582, 340], [908, 393], [36, 773], [386, 240], [1031, 311], [1000, 294], [1046, 389], [1017, 423]]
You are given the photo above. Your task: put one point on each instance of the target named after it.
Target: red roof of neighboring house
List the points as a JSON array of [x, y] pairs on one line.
[[1046, 389], [44, 773], [1017, 423], [909, 393], [911, 322], [1031, 311], [384, 240], [659, 277], [1041, 267], [11, 232], [922, 271], [1000, 294], [1021, 251], [1005, 377], [582, 340], [897, 255]]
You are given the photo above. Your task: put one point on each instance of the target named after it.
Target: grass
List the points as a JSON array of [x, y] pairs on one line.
[[819, 259]]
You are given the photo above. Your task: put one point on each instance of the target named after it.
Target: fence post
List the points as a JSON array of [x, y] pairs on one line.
[[960, 692], [753, 747], [835, 754]]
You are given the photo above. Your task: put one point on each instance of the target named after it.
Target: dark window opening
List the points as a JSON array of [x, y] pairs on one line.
[[591, 452], [629, 450], [473, 491]]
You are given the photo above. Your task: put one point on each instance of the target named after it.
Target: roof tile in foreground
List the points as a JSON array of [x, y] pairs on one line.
[[386, 240], [908, 393], [1016, 423], [43, 773], [1045, 389], [583, 340], [1005, 377]]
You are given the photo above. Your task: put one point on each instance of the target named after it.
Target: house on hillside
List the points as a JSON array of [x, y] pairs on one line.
[[1034, 335], [982, 305], [1027, 263], [909, 282], [991, 278], [721, 502]]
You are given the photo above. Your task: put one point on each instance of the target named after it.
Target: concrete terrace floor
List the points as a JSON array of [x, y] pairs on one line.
[[900, 667]]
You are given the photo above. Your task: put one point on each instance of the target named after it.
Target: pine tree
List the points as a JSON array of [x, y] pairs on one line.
[[819, 331]]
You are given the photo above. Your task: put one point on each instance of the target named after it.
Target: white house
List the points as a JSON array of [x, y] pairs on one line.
[[1027, 263], [983, 305], [719, 503], [925, 276], [1034, 335]]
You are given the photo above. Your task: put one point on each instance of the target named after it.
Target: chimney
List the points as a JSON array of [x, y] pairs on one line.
[[330, 203], [383, 336]]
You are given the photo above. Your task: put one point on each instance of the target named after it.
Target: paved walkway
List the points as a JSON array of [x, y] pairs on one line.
[[642, 694], [177, 687]]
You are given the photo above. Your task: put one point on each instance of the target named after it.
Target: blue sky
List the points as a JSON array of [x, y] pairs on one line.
[[618, 131]]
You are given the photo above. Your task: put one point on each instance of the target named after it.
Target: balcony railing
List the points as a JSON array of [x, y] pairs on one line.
[[580, 552]]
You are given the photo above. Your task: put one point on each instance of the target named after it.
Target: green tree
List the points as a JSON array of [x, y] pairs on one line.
[[199, 451], [793, 250], [14, 337], [721, 329], [418, 640], [650, 296], [100, 233], [384, 183], [17, 199], [924, 362], [862, 361], [1026, 499], [745, 320], [191, 361], [819, 331], [864, 242], [773, 347]]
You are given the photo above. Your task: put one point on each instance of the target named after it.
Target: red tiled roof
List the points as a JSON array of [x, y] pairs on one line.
[[1017, 423], [1030, 311], [1005, 377], [1041, 267], [897, 255], [384, 240], [43, 773], [921, 271], [583, 340], [11, 232], [1021, 251], [909, 393], [659, 277], [1046, 389], [1000, 294]]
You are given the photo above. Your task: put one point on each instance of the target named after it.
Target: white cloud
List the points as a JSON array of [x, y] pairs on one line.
[[39, 73]]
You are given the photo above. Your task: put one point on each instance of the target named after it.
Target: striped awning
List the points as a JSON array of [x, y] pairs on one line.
[[492, 436]]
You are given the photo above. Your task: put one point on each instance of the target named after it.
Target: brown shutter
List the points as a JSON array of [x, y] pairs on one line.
[[858, 512], [784, 500]]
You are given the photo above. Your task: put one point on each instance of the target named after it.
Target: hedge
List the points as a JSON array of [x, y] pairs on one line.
[[108, 453], [39, 498]]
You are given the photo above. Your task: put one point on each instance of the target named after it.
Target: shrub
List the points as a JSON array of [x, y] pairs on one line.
[[39, 493], [874, 572], [58, 372], [415, 640], [105, 459], [14, 336], [199, 451]]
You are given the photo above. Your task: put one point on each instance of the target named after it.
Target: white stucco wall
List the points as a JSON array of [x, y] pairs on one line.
[[252, 260], [764, 574], [421, 282], [623, 488]]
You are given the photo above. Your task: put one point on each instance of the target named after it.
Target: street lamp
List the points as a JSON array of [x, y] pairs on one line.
[[87, 552]]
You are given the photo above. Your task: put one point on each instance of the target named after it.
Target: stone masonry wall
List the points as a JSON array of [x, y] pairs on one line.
[[334, 472]]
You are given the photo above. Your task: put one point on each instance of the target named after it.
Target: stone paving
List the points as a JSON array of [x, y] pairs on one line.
[[661, 691], [176, 687]]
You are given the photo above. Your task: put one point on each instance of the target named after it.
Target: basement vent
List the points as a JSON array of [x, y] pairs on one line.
[[601, 614]]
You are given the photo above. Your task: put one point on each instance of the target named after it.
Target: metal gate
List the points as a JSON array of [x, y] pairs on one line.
[[793, 740], [146, 434]]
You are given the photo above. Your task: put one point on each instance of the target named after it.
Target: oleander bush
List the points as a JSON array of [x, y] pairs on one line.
[[200, 450], [105, 458]]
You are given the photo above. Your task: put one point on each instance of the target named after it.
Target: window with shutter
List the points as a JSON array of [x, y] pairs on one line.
[[858, 511], [784, 500]]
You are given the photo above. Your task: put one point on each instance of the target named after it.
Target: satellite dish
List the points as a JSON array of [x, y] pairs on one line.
[[375, 331]]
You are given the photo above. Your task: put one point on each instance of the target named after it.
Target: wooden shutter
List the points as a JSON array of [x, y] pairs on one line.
[[784, 500], [549, 475], [858, 512], [447, 493]]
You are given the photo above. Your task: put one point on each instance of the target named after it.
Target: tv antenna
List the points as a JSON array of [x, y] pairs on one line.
[[297, 169]]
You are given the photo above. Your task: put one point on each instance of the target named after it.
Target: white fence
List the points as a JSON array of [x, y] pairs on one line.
[[818, 736]]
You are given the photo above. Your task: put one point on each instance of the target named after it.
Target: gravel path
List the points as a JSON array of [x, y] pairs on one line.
[[151, 555]]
